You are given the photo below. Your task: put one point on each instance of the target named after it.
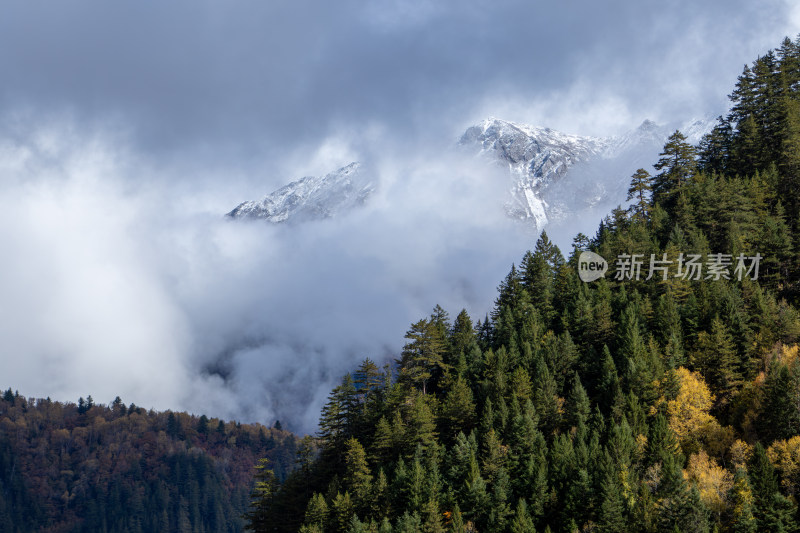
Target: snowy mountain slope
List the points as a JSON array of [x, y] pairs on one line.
[[312, 197], [554, 176], [536, 157]]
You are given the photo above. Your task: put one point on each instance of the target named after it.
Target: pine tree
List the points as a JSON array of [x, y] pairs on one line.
[[521, 386], [383, 446], [499, 501], [717, 360], [422, 360], [742, 520], [611, 397], [539, 271], [202, 423], [715, 148], [462, 336], [367, 378], [640, 191], [509, 292], [611, 514], [342, 511], [317, 512], [455, 520], [676, 165], [684, 512], [779, 417], [458, 409], [789, 160], [357, 478], [380, 496], [409, 523], [462, 464], [431, 519], [545, 400], [306, 454], [578, 406], [337, 421], [764, 481], [522, 522], [421, 429], [262, 498], [478, 501], [173, 423], [661, 443]]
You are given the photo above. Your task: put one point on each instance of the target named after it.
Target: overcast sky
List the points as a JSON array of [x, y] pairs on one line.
[[250, 80], [127, 129]]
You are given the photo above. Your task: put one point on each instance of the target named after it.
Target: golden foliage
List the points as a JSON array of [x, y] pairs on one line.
[[689, 416], [740, 453], [641, 444], [688, 412], [789, 354], [713, 482], [742, 496], [785, 456]]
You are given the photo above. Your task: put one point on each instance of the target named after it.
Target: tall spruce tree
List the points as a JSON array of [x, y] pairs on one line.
[[676, 165], [640, 191], [422, 360]]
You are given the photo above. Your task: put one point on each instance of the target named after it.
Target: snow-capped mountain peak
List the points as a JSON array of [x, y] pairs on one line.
[[311, 197], [553, 175], [535, 156], [540, 159], [542, 153]]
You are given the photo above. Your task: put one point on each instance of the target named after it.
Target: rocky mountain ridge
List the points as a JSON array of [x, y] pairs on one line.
[[552, 175]]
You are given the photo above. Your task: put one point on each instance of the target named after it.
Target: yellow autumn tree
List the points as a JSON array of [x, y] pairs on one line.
[[740, 453], [712, 481], [785, 456], [789, 354], [689, 416]]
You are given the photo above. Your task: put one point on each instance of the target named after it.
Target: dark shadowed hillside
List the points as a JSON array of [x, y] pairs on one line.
[[96, 468]]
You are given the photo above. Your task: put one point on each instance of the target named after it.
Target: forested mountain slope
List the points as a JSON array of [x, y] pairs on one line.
[[95, 468], [623, 404]]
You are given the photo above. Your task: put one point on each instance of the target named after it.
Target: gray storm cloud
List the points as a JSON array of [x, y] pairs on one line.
[[115, 288], [253, 79], [126, 131]]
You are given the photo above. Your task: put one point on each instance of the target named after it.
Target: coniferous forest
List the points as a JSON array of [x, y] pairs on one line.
[[622, 404]]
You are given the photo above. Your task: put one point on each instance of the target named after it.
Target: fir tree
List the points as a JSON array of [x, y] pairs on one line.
[[262, 498], [779, 417], [317, 512], [640, 191], [742, 519], [357, 478], [716, 359], [458, 409], [522, 522], [676, 165], [342, 511], [457, 522], [423, 356]]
